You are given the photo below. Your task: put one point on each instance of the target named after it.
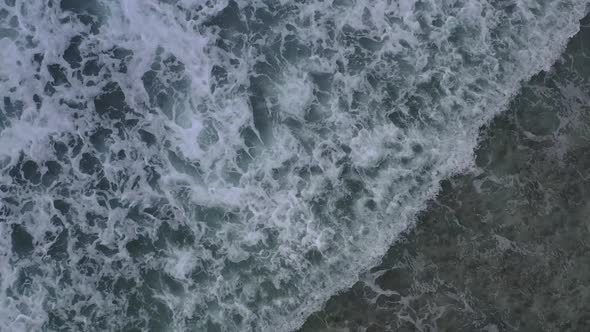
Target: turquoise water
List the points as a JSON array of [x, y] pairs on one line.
[[177, 165]]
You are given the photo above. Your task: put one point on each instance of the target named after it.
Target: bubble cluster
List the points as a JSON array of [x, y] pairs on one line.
[[227, 166]]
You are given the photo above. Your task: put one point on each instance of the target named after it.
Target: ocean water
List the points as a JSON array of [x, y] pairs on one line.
[[176, 165], [505, 246]]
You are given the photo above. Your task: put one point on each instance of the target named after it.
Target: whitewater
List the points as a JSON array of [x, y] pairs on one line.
[[192, 165]]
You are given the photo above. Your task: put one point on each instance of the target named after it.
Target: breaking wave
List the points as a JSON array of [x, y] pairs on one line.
[[228, 166]]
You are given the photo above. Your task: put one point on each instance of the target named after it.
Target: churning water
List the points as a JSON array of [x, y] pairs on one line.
[[228, 166]]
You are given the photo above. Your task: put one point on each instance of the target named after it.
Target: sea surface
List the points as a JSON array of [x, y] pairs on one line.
[[327, 165], [504, 247]]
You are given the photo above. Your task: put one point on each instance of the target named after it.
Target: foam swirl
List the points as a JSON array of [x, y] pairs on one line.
[[228, 166]]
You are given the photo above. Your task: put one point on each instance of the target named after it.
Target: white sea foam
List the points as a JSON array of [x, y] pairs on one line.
[[184, 165]]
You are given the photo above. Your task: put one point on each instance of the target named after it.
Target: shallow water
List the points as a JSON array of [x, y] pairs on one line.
[[229, 166], [504, 247]]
